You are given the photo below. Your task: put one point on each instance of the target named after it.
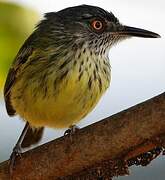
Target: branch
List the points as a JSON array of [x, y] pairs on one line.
[[107, 143]]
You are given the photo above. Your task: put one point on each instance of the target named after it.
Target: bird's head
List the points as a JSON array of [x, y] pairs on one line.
[[90, 25]]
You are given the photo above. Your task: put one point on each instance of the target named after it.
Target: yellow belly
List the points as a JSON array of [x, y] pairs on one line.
[[72, 101]]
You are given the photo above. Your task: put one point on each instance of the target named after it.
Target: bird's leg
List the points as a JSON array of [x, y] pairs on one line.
[[17, 150], [72, 129]]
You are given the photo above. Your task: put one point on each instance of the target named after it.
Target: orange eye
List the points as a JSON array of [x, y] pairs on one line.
[[97, 25]]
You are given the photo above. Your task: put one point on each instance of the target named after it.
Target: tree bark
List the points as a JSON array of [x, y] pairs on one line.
[[112, 141]]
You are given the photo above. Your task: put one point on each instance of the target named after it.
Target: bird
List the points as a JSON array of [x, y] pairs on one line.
[[63, 69]]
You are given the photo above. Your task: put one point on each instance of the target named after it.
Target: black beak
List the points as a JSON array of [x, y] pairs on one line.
[[137, 32]]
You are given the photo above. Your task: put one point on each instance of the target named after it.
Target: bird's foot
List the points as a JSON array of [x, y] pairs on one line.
[[72, 130], [17, 150]]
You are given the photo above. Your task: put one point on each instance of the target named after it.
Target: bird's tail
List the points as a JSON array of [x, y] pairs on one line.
[[33, 136]]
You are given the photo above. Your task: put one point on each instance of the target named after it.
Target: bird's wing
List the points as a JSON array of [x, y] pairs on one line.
[[33, 135], [21, 58]]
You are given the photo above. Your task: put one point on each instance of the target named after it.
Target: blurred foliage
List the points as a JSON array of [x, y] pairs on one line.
[[16, 23]]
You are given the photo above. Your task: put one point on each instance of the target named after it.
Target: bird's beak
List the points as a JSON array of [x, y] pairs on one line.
[[137, 32]]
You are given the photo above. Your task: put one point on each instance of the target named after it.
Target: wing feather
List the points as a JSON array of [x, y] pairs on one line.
[[20, 59]]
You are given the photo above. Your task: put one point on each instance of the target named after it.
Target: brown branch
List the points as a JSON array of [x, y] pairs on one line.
[[119, 137]]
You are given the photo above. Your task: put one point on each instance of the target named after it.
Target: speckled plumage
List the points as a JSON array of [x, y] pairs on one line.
[[70, 87], [63, 69]]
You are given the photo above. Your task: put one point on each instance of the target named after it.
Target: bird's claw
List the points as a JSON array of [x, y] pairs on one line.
[[72, 129], [16, 152]]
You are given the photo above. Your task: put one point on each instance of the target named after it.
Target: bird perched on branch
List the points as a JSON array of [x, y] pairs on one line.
[[63, 69]]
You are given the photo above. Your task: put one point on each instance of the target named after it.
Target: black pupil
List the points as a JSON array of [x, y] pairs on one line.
[[98, 25]]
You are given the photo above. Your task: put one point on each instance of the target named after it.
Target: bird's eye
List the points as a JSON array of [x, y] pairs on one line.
[[97, 25]]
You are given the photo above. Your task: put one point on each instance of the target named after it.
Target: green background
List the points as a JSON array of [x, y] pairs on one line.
[[16, 23]]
